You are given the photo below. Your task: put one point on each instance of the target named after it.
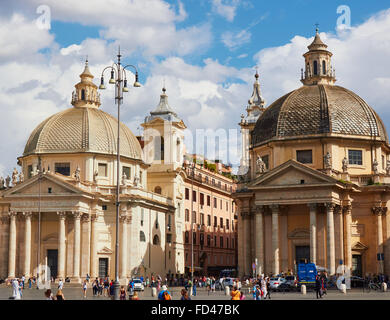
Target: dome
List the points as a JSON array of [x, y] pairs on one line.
[[82, 130], [318, 110]]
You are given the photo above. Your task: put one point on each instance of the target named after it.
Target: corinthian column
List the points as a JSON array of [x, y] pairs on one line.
[[313, 232], [123, 219], [339, 234], [331, 255], [259, 247], [12, 245], [378, 211], [76, 245], [348, 236], [94, 270], [61, 245], [275, 238], [27, 244]]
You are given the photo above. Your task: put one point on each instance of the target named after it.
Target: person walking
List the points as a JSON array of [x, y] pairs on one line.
[[60, 284], [184, 295], [318, 287], [164, 294], [106, 287], [122, 293], [263, 286], [85, 288], [194, 288], [268, 284], [134, 297], [48, 295], [29, 283], [94, 287], [60, 295]]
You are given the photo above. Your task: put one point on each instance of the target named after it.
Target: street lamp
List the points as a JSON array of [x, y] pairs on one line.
[[118, 75]]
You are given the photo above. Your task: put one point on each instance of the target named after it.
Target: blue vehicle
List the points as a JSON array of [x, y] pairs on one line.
[[307, 274]]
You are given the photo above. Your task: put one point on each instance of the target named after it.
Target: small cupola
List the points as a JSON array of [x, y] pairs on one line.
[[86, 94], [318, 64]]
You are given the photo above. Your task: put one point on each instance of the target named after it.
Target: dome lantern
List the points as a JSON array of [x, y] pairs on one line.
[[86, 94], [318, 65]]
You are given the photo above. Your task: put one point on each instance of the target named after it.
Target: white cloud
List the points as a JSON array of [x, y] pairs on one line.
[[73, 48], [226, 9], [235, 40]]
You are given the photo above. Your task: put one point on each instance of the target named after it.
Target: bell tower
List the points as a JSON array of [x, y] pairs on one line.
[[318, 64]]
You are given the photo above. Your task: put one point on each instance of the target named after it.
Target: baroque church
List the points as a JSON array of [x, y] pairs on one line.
[[61, 211], [314, 178]]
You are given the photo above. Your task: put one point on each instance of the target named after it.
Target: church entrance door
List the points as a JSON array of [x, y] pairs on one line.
[[52, 262], [302, 254], [357, 269], [103, 267]]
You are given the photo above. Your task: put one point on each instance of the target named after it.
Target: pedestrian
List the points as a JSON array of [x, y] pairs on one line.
[[60, 295], [318, 287], [268, 284], [23, 280], [21, 287], [29, 283], [87, 277], [60, 284], [236, 294], [106, 287], [134, 297], [184, 295], [164, 294], [48, 295], [111, 290], [263, 286], [94, 287], [15, 290], [85, 288], [194, 288], [122, 293]]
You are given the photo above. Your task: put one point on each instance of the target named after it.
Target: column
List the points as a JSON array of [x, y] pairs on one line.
[[259, 236], [379, 233], [386, 248], [61, 245], [246, 243], [339, 235], [313, 232], [94, 270], [330, 238], [275, 238], [348, 236], [27, 244], [123, 260], [12, 245], [85, 248], [76, 245]]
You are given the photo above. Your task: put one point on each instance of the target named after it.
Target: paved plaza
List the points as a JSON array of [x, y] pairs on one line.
[[74, 292]]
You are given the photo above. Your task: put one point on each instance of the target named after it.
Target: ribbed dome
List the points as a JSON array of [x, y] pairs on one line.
[[82, 130], [319, 110]]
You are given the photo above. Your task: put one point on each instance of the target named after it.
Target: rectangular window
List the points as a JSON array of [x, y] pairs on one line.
[[194, 237], [126, 171], [202, 219], [193, 195], [221, 222], [215, 222], [29, 171], [215, 241], [187, 192], [208, 200], [383, 162], [62, 168], [102, 169], [169, 238], [142, 217], [208, 240], [227, 206], [232, 243], [227, 243], [227, 224], [221, 242], [201, 199], [208, 220], [215, 202], [193, 217], [220, 204], [355, 157], [187, 215], [304, 156]]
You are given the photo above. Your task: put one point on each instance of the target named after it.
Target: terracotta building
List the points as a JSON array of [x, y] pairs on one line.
[[211, 211], [315, 178]]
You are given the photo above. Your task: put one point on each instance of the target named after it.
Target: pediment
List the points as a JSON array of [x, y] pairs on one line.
[[299, 233], [292, 173], [358, 246], [105, 250], [32, 187]]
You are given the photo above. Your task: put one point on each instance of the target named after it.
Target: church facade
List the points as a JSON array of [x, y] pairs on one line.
[[314, 178]]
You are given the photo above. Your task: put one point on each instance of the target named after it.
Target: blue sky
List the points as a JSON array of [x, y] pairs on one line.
[[204, 50]]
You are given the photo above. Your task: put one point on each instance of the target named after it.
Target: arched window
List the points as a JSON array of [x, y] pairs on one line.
[[156, 240], [315, 67], [157, 190], [142, 236], [323, 67], [158, 148], [82, 94]]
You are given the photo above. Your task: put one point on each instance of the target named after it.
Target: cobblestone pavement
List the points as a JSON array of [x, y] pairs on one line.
[[74, 292]]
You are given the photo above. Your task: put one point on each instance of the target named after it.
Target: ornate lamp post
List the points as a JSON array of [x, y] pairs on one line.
[[118, 77]]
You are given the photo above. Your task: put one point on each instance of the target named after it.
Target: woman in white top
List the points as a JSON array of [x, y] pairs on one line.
[[85, 288]]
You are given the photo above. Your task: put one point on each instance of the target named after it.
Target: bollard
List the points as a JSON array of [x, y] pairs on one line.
[[154, 292], [227, 290], [303, 289], [384, 286], [343, 288]]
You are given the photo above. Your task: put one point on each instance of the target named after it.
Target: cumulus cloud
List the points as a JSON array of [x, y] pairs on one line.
[[235, 40], [226, 9]]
